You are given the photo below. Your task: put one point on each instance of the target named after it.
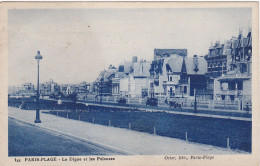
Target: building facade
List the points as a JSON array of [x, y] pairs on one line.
[[236, 83], [230, 69], [49, 88]]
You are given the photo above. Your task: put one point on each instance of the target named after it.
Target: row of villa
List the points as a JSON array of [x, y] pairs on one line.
[[223, 74]]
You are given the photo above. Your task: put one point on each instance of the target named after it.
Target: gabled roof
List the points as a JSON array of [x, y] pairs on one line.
[[120, 74], [183, 67], [108, 73], [175, 63], [202, 65]]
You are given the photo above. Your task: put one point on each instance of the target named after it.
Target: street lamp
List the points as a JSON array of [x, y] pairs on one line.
[[196, 69], [101, 87], [38, 57], [182, 97]]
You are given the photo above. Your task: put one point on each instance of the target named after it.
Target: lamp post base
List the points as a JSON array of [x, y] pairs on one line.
[[37, 121]]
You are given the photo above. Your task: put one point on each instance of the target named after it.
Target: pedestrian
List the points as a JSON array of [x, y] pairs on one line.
[[166, 101], [247, 108]]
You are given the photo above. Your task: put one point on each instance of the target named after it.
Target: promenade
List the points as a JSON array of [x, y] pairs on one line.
[[117, 139]]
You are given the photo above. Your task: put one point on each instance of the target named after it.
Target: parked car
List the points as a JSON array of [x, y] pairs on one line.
[[152, 102], [122, 101], [174, 104]]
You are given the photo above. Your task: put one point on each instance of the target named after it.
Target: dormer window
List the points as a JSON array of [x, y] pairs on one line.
[[168, 68]]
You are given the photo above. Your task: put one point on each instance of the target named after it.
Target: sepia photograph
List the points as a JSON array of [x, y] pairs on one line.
[[107, 82]]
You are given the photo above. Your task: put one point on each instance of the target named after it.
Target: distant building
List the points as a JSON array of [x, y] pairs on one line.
[[102, 86], [48, 88], [229, 69], [68, 89], [27, 89], [236, 84], [196, 71], [178, 76], [27, 86], [84, 89], [131, 79], [136, 81]]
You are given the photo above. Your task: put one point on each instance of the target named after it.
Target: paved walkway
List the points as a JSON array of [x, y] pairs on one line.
[[126, 141]]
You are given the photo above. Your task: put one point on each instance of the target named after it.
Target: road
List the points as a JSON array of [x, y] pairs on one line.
[[28, 140]]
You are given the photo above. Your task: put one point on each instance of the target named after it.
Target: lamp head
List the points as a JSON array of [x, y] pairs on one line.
[[38, 56]]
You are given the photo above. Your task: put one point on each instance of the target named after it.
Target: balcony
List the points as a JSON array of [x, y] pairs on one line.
[[235, 76], [231, 92], [170, 83]]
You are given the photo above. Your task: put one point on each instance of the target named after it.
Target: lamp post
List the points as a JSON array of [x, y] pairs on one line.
[[101, 87], [195, 103], [38, 57], [182, 97], [196, 69]]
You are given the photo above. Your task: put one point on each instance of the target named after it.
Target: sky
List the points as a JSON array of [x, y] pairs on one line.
[[76, 44]]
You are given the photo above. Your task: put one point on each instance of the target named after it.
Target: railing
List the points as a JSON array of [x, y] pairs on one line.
[[242, 105], [201, 103], [230, 92]]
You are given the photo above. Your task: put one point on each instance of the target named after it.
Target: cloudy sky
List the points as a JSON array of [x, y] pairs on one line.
[[76, 44]]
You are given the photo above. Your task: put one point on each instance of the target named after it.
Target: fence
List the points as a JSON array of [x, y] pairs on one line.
[[185, 102]]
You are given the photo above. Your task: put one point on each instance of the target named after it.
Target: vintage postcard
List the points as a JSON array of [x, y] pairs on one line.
[[129, 83]]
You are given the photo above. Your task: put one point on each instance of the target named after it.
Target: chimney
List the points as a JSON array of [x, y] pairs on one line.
[[134, 59], [195, 61]]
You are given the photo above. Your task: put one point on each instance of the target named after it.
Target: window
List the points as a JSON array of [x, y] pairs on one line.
[[240, 85], [231, 86], [243, 68], [171, 91], [170, 78], [185, 89], [151, 85]]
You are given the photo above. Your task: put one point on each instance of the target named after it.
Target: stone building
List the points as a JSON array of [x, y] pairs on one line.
[[48, 88], [177, 75], [236, 83], [229, 69]]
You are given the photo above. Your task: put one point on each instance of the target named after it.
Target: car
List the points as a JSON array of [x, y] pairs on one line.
[[122, 101], [152, 102], [174, 104]]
